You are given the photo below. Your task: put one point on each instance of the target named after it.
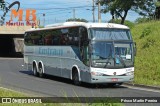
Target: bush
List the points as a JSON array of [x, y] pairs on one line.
[[145, 32], [76, 19], [141, 20], [127, 23], [149, 42]]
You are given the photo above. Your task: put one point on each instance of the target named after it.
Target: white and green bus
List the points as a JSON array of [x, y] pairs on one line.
[[95, 53]]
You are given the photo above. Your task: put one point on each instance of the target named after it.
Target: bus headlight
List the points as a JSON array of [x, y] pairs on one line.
[[97, 73], [130, 73]]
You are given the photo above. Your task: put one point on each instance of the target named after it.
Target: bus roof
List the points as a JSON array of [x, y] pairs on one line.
[[87, 25]]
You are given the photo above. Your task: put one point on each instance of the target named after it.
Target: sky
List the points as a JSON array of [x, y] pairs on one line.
[[57, 11]]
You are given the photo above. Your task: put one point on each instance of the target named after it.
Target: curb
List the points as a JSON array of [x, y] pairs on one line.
[[143, 86]]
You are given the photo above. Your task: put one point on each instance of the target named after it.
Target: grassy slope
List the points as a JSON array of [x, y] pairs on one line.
[[147, 63]]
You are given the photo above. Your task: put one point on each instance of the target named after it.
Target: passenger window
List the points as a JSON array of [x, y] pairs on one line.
[[73, 36]]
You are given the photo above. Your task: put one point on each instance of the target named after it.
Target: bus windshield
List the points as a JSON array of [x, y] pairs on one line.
[[110, 34], [112, 54]]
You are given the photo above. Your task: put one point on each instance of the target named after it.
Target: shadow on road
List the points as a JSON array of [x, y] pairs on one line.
[[68, 81], [27, 72]]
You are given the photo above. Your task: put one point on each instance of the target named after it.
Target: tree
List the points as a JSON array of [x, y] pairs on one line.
[[120, 8], [76, 19], [2, 4], [157, 12]]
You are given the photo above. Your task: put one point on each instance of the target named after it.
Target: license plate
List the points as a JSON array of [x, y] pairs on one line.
[[114, 79]]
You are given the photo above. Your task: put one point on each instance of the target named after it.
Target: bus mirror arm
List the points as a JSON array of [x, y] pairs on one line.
[[86, 42]]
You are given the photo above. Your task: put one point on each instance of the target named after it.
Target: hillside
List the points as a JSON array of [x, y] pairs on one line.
[[147, 63]]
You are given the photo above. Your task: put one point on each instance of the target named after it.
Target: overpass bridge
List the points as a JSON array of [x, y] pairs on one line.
[[11, 40]]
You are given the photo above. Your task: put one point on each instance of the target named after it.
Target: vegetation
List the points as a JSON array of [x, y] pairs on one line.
[[8, 93], [120, 8], [147, 68], [142, 20], [127, 23], [157, 3], [76, 19]]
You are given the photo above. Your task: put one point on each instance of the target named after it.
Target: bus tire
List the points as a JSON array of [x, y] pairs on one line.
[[40, 68], [75, 78], [35, 73]]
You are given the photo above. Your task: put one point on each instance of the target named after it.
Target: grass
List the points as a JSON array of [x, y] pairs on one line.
[[147, 68], [9, 93]]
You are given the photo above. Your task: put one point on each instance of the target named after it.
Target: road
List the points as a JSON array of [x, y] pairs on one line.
[[14, 76]]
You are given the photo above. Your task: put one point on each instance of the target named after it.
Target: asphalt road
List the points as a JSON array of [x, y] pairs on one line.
[[14, 76]]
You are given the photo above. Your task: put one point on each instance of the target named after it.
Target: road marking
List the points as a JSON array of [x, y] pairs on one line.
[[144, 89]]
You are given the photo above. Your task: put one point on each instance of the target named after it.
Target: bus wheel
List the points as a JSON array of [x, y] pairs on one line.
[[35, 73], [76, 78], [41, 71]]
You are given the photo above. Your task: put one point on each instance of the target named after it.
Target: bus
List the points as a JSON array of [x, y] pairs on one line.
[[96, 53]]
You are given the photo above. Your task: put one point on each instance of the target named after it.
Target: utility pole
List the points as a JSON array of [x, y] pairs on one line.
[[99, 11], [93, 8], [74, 14]]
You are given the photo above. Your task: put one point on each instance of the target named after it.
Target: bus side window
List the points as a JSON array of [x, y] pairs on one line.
[[84, 45], [28, 40], [48, 40], [64, 39], [55, 40], [35, 38], [70, 39], [83, 36], [41, 39], [72, 36]]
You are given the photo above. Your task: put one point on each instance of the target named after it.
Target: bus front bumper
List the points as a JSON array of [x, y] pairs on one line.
[[111, 79]]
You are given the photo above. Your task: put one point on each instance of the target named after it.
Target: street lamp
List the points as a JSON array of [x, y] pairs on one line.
[[44, 19]]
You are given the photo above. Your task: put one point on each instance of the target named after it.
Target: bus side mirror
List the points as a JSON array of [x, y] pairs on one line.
[[134, 48], [86, 42]]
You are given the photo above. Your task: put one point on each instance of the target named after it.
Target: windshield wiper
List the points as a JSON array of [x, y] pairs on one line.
[[108, 61]]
